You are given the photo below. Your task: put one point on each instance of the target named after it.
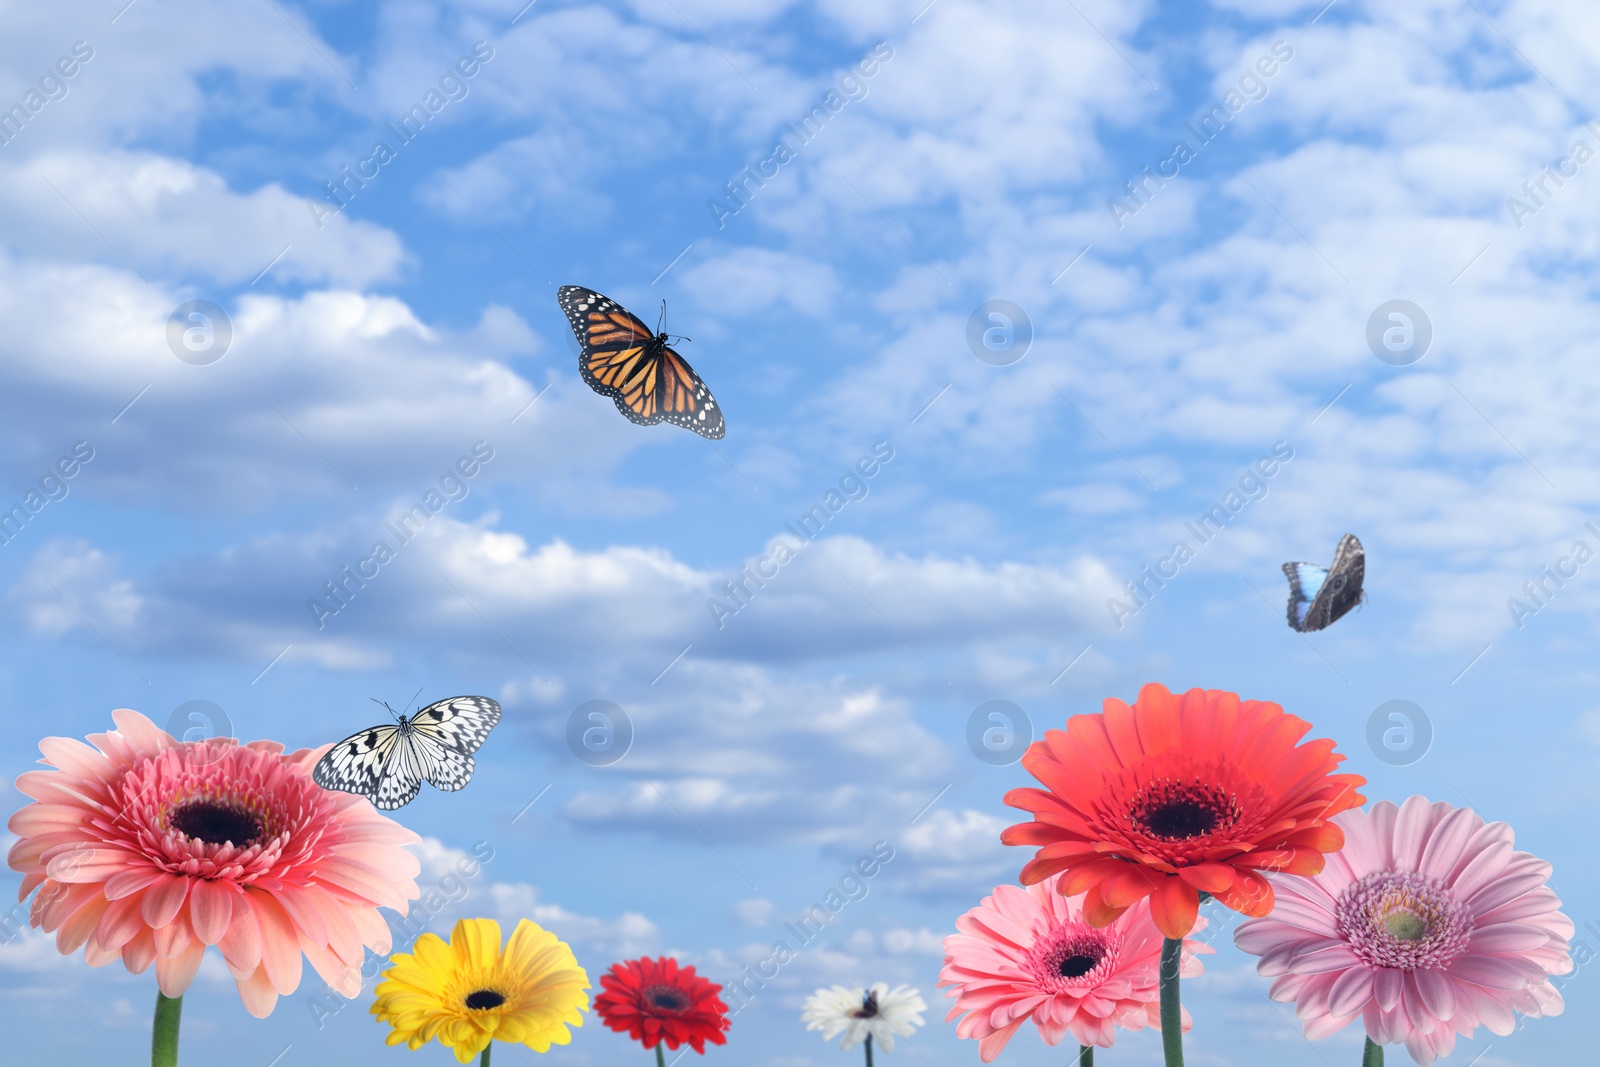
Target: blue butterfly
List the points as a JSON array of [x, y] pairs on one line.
[[1319, 597]]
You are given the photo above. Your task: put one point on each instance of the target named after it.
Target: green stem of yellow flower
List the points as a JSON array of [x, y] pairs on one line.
[[1171, 1010], [484, 1062], [164, 1031], [1372, 1055], [661, 1057], [869, 1050]]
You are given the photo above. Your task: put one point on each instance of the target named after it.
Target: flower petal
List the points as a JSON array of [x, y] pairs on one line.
[[211, 909], [163, 899], [1174, 905]]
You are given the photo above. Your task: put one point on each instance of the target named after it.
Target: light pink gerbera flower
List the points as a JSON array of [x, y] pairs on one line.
[[1426, 925], [1029, 953], [150, 848]]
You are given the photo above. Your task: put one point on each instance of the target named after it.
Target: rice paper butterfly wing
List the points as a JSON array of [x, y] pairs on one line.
[[388, 763]]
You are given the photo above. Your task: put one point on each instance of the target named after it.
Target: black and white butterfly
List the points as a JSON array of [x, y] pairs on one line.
[[1318, 597], [624, 359], [387, 764]]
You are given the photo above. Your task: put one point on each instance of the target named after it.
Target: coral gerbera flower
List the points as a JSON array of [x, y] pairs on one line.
[[469, 993], [1177, 795], [1028, 954], [876, 1015], [656, 1000], [1427, 924], [151, 849]]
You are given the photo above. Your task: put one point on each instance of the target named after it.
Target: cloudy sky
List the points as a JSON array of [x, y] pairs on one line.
[[1193, 223]]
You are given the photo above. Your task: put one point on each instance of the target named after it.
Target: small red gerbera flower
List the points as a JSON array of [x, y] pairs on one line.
[[1179, 795], [656, 1000]]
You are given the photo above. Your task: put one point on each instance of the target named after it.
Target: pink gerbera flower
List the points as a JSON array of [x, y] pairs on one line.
[[1427, 924], [150, 848], [1030, 953]]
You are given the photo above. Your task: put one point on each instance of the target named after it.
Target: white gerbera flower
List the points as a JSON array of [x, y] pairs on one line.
[[879, 1013]]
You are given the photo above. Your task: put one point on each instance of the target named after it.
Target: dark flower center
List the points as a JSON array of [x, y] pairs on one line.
[[1076, 966], [481, 999], [1181, 819], [1073, 956], [1178, 811], [868, 1009], [663, 999], [216, 823]]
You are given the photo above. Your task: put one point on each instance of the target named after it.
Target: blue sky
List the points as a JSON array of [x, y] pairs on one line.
[[1177, 339]]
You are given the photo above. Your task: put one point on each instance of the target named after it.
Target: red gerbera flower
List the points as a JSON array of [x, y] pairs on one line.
[[656, 1000], [1177, 795]]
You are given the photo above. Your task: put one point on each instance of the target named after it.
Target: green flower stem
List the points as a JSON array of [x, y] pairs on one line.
[[484, 1060], [1085, 1056], [869, 1050], [661, 1057], [1372, 1055], [164, 1031], [1171, 1010]]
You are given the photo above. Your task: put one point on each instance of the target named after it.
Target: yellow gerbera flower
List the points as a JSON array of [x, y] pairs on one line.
[[469, 993]]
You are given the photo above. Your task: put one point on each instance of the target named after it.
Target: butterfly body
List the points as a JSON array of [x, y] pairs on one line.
[[624, 359], [387, 764], [1319, 597]]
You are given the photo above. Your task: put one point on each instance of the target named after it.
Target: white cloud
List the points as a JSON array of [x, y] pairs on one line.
[[458, 883], [69, 577], [313, 395], [746, 280], [747, 755], [143, 82], [629, 934], [954, 853], [165, 215], [756, 912], [34, 951], [950, 837], [642, 602], [899, 941], [711, 12]]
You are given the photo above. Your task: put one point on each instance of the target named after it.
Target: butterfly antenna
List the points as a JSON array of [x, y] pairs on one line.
[[413, 699], [663, 316], [384, 704]]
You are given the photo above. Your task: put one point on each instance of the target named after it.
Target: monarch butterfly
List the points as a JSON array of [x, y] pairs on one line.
[[624, 359], [387, 764]]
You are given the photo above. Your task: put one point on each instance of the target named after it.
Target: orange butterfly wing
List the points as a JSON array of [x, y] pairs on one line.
[[621, 358]]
